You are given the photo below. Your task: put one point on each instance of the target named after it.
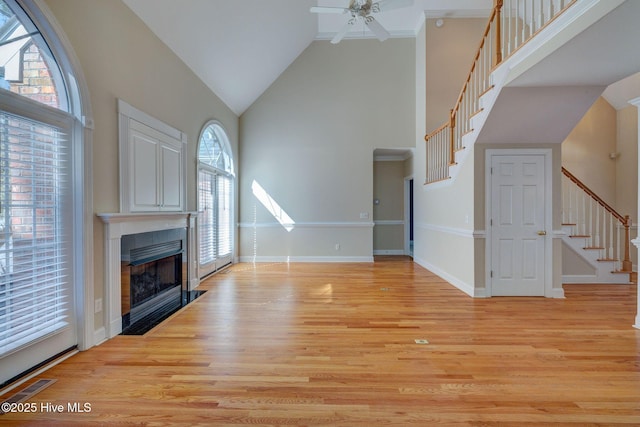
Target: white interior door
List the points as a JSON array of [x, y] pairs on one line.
[[518, 229]]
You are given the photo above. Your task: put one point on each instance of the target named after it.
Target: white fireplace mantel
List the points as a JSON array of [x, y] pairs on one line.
[[122, 224]]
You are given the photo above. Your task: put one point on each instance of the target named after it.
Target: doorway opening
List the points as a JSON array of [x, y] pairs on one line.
[[393, 202]]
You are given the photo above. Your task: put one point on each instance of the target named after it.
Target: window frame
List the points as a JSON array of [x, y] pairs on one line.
[[79, 119], [228, 173]]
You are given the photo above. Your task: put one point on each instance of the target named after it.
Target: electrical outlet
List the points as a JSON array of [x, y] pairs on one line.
[[364, 215], [98, 305], [337, 246]]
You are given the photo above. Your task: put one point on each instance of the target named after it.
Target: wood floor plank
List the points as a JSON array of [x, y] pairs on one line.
[[335, 344]]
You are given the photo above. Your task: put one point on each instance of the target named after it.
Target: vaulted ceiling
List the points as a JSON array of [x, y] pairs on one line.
[[240, 47]]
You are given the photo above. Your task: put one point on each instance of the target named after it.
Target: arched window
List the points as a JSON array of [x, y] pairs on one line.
[[215, 199], [41, 194]]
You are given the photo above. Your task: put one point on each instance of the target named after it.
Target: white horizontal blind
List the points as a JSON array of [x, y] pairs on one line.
[[35, 289], [206, 217], [224, 215]]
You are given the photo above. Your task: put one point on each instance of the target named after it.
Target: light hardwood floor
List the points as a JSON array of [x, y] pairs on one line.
[[334, 344]]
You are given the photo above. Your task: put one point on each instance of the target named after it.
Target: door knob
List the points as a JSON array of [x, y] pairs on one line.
[[542, 233]]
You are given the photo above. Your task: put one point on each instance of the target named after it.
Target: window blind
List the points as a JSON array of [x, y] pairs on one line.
[[224, 215], [35, 289], [206, 218]]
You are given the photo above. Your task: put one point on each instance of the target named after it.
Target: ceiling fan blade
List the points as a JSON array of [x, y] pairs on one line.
[[384, 5], [377, 29], [322, 9], [343, 32]]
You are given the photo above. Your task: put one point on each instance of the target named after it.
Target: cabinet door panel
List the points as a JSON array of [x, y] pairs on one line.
[[144, 170], [156, 170], [171, 178]]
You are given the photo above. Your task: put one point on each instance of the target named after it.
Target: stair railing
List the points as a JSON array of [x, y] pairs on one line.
[[511, 24], [602, 226]]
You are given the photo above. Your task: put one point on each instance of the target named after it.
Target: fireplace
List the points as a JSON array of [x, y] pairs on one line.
[[153, 265], [121, 226]]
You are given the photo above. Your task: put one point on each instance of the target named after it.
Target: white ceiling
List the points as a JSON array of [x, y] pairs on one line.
[[238, 48]]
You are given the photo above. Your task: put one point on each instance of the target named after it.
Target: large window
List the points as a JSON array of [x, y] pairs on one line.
[[215, 200], [39, 222]]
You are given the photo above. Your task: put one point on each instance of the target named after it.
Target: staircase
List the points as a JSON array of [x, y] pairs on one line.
[[540, 66], [596, 238], [512, 24]]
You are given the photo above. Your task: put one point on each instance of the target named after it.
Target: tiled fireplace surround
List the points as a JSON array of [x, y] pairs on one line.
[[121, 224]]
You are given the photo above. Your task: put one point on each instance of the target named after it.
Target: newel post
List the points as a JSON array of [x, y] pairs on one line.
[[498, 7], [626, 262]]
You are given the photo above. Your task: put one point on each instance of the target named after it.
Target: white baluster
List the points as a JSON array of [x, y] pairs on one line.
[[509, 26], [571, 191], [618, 263], [583, 206], [611, 254], [531, 20], [590, 223], [597, 236]]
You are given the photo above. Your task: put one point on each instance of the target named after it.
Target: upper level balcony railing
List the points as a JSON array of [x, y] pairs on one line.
[[512, 23]]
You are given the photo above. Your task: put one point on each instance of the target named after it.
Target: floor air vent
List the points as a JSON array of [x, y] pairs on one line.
[[29, 391]]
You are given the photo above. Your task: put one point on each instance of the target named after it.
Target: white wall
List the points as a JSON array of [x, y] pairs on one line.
[[309, 141]]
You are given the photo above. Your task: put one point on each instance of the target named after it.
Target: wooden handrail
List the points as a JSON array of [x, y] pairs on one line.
[[484, 62], [456, 107], [625, 221], [475, 58], [437, 131], [593, 195]]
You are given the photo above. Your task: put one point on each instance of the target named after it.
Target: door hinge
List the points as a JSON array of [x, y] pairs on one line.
[[491, 274], [491, 222]]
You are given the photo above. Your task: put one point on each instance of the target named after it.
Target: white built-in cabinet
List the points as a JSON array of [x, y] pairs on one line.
[[152, 163]]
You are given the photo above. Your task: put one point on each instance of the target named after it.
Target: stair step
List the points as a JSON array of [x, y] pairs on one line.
[[621, 272], [568, 224], [579, 236], [475, 113], [470, 131], [489, 89], [633, 277], [608, 260], [589, 248]]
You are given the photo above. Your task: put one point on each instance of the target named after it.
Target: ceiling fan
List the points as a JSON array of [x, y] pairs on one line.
[[363, 10]]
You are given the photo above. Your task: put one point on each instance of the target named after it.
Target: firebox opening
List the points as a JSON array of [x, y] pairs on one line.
[[153, 266]]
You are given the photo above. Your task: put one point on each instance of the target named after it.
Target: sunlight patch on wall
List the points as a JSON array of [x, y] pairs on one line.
[[272, 206]]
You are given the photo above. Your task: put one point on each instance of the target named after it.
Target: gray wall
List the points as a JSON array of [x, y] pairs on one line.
[[309, 141]]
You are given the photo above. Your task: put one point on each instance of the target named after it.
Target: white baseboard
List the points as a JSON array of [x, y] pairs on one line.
[[557, 293], [388, 252], [327, 259], [99, 336], [613, 279], [463, 286]]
